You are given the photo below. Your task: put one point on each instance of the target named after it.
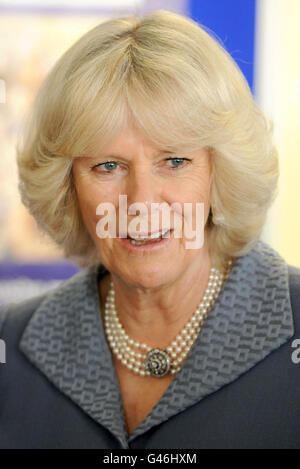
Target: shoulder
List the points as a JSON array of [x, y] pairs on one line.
[[15, 316], [19, 313], [294, 279], [280, 273], [294, 288]]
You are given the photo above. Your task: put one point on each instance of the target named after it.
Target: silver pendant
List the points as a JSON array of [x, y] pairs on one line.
[[158, 362]]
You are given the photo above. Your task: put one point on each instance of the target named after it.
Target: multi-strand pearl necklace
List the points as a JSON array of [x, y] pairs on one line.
[[144, 360]]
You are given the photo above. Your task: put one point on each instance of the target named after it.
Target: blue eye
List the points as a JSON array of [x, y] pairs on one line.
[[110, 166], [107, 167], [178, 162]]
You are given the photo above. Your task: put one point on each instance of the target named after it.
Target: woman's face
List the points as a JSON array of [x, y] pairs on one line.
[[132, 166]]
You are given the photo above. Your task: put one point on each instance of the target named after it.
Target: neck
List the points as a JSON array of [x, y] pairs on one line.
[[155, 316]]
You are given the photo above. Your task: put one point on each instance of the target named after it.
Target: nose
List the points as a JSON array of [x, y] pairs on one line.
[[143, 190], [142, 187]]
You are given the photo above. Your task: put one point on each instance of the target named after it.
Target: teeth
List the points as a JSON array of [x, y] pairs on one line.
[[153, 236], [138, 243]]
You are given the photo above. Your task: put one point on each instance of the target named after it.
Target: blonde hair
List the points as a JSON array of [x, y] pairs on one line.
[[184, 90]]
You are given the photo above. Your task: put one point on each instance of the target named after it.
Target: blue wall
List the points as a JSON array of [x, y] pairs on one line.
[[233, 21]]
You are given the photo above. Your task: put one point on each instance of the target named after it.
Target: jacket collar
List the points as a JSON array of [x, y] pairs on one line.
[[251, 317]]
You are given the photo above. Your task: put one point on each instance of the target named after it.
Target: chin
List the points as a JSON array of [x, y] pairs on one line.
[[150, 277]]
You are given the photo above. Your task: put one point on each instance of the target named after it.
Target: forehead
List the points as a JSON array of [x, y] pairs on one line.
[[131, 141], [128, 138]]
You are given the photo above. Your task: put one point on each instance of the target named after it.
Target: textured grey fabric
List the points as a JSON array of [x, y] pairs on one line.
[[251, 317]]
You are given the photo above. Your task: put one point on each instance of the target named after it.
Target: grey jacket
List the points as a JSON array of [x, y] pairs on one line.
[[238, 387]]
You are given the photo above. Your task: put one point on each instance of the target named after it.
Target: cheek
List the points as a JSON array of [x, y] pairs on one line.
[[196, 189], [89, 198]]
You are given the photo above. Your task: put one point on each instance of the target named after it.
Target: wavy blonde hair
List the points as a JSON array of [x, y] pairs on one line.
[[184, 90]]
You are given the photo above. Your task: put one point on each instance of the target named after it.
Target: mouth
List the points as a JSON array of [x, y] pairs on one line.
[[142, 239], [153, 242]]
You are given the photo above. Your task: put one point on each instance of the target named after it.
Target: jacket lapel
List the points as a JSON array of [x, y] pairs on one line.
[[251, 317], [65, 340]]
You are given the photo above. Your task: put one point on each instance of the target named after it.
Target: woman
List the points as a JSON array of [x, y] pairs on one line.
[[156, 343]]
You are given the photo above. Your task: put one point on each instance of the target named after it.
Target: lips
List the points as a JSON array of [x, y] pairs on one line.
[[149, 245], [148, 236]]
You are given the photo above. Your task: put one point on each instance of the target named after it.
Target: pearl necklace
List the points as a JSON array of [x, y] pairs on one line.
[[157, 362]]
